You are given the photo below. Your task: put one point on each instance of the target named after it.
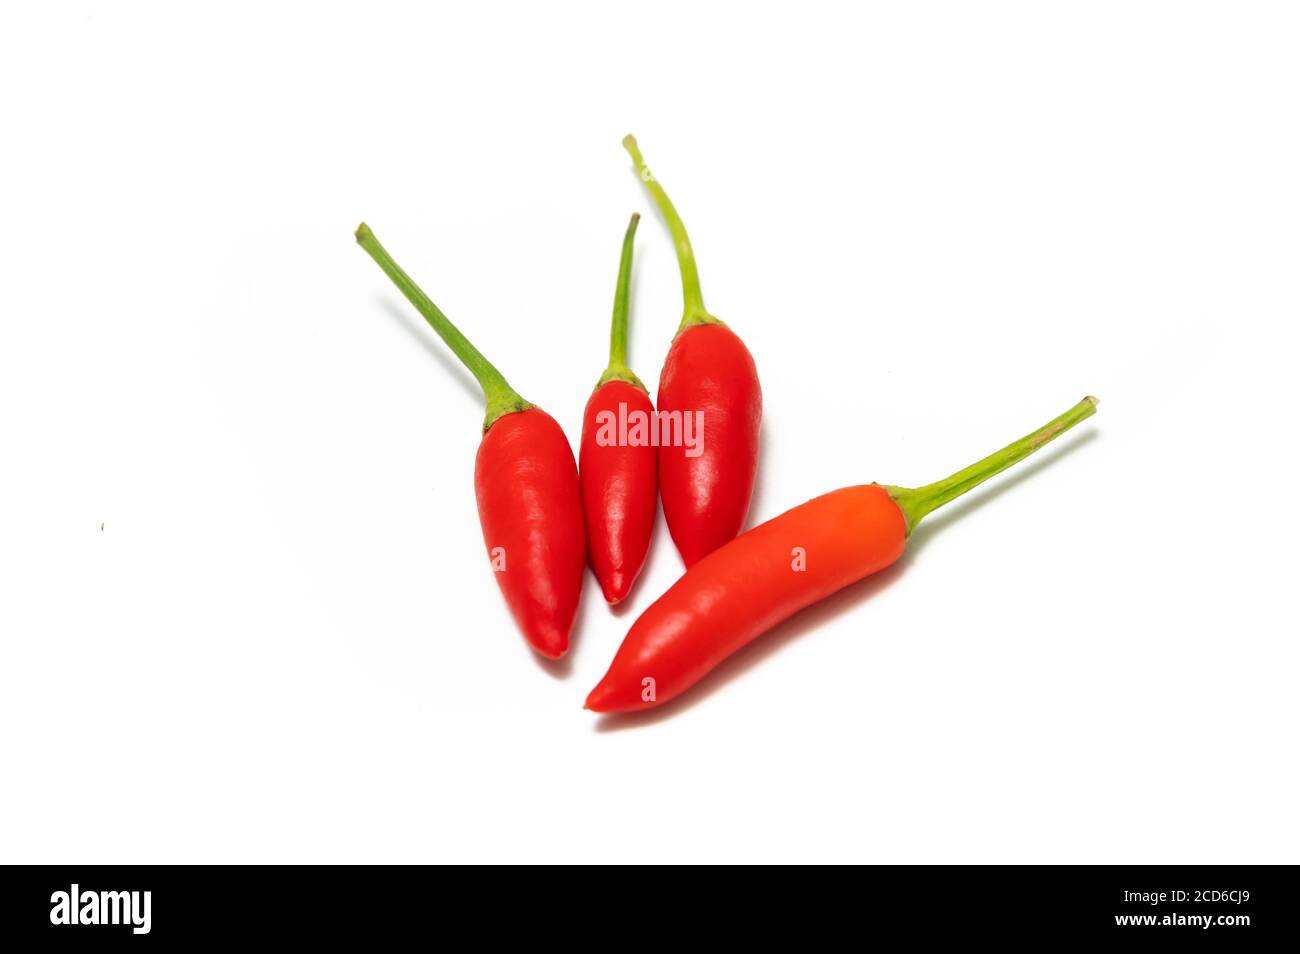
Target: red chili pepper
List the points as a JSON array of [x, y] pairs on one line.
[[526, 483], [770, 573], [616, 460], [709, 377]]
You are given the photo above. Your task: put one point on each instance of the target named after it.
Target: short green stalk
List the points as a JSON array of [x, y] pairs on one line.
[[498, 395], [694, 312], [618, 369], [919, 501]]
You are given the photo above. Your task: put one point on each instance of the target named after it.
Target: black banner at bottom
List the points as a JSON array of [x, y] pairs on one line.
[[134, 906]]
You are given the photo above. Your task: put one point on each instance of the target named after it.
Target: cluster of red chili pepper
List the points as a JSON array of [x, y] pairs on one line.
[[545, 516]]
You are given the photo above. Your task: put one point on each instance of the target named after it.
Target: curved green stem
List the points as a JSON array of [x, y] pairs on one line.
[[618, 369], [694, 313], [919, 501], [618, 327], [498, 395]]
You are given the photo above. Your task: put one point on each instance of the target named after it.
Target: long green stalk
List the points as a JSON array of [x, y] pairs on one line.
[[918, 501], [498, 396], [618, 369], [694, 312]]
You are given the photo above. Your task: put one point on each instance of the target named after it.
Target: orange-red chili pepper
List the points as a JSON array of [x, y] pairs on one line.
[[616, 459], [526, 483], [770, 573], [709, 377]]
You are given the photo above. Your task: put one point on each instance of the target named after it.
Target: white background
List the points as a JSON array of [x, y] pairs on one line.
[[935, 225]]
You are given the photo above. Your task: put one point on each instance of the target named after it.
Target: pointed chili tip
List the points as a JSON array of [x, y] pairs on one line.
[[548, 640], [363, 232], [615, 585]]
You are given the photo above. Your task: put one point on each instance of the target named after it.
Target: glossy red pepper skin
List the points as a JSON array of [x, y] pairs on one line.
[[706, 497], [526, 484], [708, 372], [765, 576], [746, 587], [619, 487]]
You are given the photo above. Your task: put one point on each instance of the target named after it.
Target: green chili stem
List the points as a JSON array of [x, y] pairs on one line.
[[694, 313], [618, 369], [919, 501], [498, 395]]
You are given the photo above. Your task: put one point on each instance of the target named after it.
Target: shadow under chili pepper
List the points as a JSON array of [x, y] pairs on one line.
[[812, 617], [756, 652], [760, 484], [555, 668]]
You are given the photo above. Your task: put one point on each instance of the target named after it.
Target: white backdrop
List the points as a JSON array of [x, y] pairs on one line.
[[246, 615]]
